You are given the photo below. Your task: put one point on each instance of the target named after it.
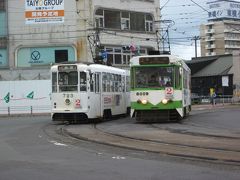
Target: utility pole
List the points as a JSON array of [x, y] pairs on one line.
[[162, 33], [195, 38], [95, 44]]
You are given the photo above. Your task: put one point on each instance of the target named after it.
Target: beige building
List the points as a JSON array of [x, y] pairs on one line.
[[220, 37]]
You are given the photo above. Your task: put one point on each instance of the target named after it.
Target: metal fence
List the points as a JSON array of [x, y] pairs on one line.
[[11, 110], [218, 99]]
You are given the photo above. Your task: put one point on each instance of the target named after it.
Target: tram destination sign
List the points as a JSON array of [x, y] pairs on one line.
[[153, 60]]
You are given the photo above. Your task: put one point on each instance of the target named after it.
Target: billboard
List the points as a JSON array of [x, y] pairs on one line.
[[44, 11], [222, 9]]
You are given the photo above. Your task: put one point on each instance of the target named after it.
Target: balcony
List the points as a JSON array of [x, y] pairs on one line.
[[209, 38], [227, 46], [232, 38], [209, 31], [211, 54], [210, 46], [232, 31]]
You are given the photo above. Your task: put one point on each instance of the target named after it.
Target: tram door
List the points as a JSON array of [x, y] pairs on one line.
[[95, 96]]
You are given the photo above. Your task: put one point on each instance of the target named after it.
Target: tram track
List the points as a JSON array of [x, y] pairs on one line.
[[187, 132], [97, 135]]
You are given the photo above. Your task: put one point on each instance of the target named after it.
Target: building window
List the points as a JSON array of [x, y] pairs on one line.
[[118, 56], [2, 4], [3, 42], [112, 19], [99, 18], [124, 20], [61, 56], [137, 21], [149, 23]]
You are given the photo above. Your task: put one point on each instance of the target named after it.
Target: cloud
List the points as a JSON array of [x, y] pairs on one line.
[[187, 18], [185, 52]]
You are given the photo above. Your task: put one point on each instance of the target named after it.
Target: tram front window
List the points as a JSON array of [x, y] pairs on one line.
[[154, 77], [68, 81]]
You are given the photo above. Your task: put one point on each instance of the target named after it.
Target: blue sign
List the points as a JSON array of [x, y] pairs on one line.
[[35, 57], [28, 56], [104, 54]]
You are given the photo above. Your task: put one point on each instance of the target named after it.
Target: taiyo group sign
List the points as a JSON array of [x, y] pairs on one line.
[[223, 9], [44, 11]]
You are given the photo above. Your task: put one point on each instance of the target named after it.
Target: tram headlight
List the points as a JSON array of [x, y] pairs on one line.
[[165, 101], [67, 101], [143, 101]]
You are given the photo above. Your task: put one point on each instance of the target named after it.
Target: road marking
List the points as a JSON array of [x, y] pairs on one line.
[[118, 157], [58, 144]]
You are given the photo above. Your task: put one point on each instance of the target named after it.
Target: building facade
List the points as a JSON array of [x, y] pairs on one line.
[[221, 35], [36, 34], [3, 33]]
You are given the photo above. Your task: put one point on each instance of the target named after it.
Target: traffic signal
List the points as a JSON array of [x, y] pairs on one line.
[[126, 48]]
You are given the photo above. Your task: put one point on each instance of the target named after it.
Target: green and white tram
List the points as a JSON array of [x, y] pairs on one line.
[[160, 88]]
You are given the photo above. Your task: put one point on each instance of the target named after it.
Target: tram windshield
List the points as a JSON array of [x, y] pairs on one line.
[[68, 81], [154, 77]]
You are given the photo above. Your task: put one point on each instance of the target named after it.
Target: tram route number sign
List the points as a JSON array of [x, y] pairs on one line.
[[169, 92]]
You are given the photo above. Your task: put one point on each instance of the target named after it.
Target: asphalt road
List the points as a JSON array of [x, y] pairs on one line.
[[32, 148]]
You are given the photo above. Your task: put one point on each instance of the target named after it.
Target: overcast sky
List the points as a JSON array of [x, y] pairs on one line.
[[187, 17]]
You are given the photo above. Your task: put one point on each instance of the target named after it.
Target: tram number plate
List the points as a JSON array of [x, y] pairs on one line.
[[169, 92], [77, 103]]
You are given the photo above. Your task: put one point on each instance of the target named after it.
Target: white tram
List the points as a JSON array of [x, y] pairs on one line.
[[88, 91]]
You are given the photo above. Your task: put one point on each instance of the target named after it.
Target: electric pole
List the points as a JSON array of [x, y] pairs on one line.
[[195, 38]]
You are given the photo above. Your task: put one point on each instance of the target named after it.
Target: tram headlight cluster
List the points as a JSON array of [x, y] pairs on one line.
[[142, 101]]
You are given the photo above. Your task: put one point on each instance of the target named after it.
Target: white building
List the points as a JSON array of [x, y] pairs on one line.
[[55, 31]]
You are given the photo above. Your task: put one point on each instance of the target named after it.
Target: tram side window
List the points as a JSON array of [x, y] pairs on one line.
[[185, 79], [92, 79], [54, 82], [123, 83], [108, 82], [104, 82], [127, 84], [119, 83], [83, 81], [97, 82], [115, 83], [112, 82], [177, 77]]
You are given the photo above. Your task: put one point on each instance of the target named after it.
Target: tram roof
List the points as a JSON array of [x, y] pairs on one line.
[[91, 66]]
